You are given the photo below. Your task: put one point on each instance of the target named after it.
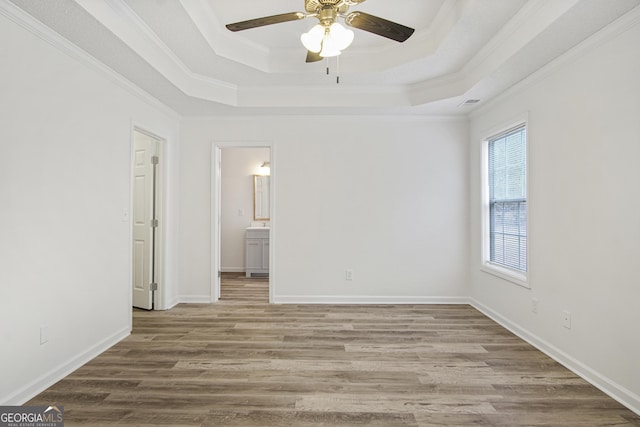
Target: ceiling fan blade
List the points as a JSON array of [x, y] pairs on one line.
[[265, 20], [313, 57], [379, 26]]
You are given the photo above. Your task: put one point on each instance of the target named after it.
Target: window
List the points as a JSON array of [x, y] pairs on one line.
[[506, 203]]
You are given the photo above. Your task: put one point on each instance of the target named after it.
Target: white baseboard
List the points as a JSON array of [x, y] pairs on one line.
[[342, 299], [194, 299], [175, 301], [232, 270], [611, 388], [47, 380]]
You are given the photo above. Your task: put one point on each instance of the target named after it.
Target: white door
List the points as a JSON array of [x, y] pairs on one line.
[[145, 160], [218, 226]]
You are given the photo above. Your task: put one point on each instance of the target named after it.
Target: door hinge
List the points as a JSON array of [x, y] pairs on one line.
[[155, 160], [154, 223], [154, 286]]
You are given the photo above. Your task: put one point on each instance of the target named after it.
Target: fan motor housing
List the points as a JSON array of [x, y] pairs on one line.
[[315, 6]]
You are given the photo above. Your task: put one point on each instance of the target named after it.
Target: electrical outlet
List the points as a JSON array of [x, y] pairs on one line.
[[566, 319], [348, 274], [534, 305]]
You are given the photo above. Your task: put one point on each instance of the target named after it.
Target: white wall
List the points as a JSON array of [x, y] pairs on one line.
[[387, 197], [584, 122], [239, 165], [394, 199], [65, 145]]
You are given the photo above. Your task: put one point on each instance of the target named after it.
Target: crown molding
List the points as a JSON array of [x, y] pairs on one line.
[[528, 23], [38, 29], [221, 41], [123, 22], [626, 22]]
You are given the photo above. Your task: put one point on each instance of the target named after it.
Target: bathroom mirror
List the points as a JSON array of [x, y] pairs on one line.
[[261, 197]]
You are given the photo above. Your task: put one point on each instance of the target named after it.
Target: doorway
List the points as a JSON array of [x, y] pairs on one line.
[[146, 219], [235, 166]]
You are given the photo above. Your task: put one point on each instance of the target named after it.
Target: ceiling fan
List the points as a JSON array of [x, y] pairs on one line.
[[329, 37]]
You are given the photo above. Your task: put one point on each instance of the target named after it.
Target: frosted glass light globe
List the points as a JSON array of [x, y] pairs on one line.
[[312, 40], [342, 36]]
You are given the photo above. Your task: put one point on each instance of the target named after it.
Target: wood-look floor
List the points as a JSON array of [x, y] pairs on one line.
[[243, 362]]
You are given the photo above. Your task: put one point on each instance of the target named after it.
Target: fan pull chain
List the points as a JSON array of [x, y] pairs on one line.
[[337, 69]]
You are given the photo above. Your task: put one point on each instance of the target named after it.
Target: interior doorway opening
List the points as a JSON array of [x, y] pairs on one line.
[[243, 218], [237, 288]]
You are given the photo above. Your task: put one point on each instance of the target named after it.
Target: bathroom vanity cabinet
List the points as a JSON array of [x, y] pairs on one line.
[[257, 251]]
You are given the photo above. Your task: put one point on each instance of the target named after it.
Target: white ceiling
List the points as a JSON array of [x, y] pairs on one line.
[[180, 51]]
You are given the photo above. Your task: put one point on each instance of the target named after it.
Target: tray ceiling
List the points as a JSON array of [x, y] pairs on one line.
[[181, 53]]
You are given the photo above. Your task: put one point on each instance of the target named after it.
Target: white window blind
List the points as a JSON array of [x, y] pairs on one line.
[[508, 199]]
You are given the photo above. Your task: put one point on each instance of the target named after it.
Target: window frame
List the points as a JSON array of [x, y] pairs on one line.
[[518, 277]]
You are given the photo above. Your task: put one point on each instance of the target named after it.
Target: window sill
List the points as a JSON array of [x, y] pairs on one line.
[[520, 279]]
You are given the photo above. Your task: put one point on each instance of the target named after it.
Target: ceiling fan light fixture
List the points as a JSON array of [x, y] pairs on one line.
[[341, 36], [312, 40], [329, 38], [328, 41], [329, 47], [329, 53]]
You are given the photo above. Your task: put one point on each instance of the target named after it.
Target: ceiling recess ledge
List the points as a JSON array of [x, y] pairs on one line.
[[462, 49], [222, 42], [533, 19], [118, 17]]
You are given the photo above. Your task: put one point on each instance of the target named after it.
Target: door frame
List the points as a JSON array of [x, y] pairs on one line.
[[159, 301], [216, 201]]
